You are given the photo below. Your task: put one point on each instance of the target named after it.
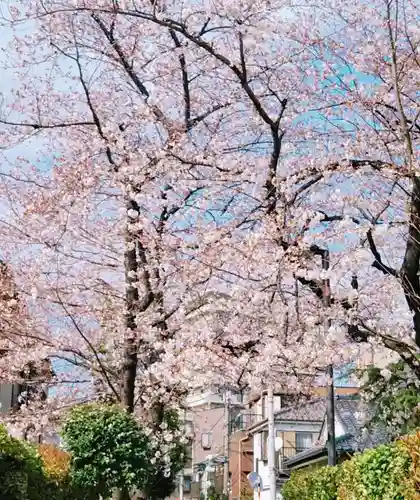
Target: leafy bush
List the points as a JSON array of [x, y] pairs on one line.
[[298, 486], [56, 463], [319, 485], [324, 485], [389, 472], [350, 485], [109, 450], [411, 444], [28, 473], [20, 469], [380, 473]]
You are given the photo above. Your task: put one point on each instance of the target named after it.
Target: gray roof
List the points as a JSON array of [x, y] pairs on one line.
[[353, 417], [312, 410], [348, 411]]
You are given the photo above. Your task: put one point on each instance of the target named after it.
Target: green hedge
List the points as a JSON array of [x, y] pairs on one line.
[[316, 485], [23, 475], [20, 469], [383, 473]]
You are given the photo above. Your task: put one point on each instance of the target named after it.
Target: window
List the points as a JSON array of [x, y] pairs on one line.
[[236, 422], [187, 483], [188, 453], [264, 438], [303, 441], [206, 439], [236, 397]]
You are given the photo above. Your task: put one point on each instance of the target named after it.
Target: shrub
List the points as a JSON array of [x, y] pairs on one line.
[[21, 470], [324, 486], [109, 450], [298, 486], [380, 473], [318, 485], [350, 484], [56, 463], [411, 444], [389, 472], [28, 473]]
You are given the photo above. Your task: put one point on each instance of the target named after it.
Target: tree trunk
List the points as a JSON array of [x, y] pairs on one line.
[[130, 348], [121, 495], [411, 263]]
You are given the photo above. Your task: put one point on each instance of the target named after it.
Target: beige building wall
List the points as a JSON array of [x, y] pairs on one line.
[[209, 421]]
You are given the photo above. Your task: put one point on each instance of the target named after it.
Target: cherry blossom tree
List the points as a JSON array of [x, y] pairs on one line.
[[340, 183], [195, 163]]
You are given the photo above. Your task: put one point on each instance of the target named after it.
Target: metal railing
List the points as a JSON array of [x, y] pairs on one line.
[[287, 452]]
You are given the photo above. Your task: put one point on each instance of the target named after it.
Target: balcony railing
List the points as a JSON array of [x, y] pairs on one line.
[[244, 420], [287, 452]]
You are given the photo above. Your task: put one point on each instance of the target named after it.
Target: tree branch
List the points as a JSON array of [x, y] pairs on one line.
[[40, 126], [185, 80], [378, 264], [91, 347]]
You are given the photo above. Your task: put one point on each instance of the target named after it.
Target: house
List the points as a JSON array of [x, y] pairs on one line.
[[298, 422], [205, 424], [205, 420], [349, 434], [298, 427], [30, 380], [12, 395]]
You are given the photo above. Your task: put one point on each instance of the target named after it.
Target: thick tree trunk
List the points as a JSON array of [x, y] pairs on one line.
[[135, 263], [129, 368], [121, 495], [411, 263]]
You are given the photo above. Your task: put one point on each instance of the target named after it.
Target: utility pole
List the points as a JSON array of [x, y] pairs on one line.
[[271, 450], [181, 485], [330, 370], [226, 445], [206, 479]]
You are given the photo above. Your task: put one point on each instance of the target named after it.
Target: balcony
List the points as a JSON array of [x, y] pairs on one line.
[[287, 452]]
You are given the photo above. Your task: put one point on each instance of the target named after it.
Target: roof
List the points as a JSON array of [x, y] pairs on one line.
[[353, 416], [348, 412], [311, 411]]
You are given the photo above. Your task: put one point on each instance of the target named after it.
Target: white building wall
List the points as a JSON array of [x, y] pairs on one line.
[[261, 467], [339, 431]]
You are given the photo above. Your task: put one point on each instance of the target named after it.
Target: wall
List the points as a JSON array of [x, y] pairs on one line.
[[258, 408], [341, 391], [208, 420], [206, 413], [8, 396], [339, 430], [241, 463], [288, 430]]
